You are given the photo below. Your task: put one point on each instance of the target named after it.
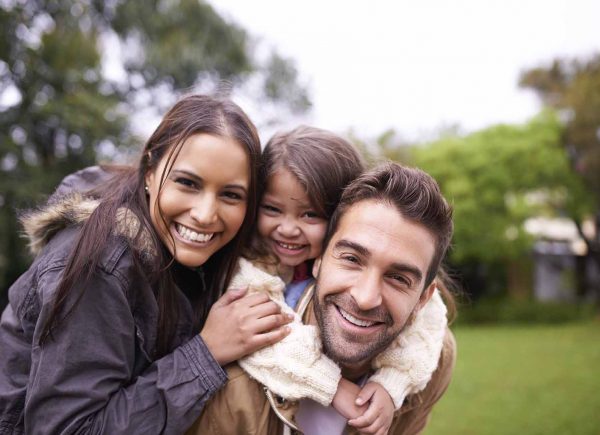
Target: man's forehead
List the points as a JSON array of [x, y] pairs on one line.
[[381, 229]]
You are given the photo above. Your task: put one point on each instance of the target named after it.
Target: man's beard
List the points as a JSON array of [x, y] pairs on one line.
[[334, 347]]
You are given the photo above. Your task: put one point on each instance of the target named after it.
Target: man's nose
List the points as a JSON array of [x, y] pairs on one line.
[[204, 211], [366, 292], [288, 227]]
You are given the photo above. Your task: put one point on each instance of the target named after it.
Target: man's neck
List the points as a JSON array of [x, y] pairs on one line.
[[354, 373]]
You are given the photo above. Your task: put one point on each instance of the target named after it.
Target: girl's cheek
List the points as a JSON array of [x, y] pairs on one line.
[[262, 225]]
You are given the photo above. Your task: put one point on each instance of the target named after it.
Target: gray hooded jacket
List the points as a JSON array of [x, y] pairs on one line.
[[96, 375]]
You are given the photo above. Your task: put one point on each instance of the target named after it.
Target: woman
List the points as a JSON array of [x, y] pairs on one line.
[[101, 333]]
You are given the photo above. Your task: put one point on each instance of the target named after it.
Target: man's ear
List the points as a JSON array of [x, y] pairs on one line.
[[316, 267], [427, 293]]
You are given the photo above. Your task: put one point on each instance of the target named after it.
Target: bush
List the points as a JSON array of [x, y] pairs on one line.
[[523, 312]]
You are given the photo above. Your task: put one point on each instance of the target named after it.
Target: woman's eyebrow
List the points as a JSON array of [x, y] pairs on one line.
[[199, 179]]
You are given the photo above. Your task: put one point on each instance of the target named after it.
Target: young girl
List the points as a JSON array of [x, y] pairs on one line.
[[305, 171], [109, 330]]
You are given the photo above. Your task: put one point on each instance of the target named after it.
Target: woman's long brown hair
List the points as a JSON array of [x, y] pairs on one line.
[[192, 115]]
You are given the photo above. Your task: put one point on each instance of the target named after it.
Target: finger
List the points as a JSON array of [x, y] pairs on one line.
[[268, 323], [373, 428], [368, 418], [366, 393], [253, 300], [265, 309], [269, 338], [231, 296]]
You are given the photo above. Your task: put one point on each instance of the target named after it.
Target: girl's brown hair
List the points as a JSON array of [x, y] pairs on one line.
[[323, 163], [192, 115]]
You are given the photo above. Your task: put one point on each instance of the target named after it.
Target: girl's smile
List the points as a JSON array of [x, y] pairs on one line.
[[288, 221]]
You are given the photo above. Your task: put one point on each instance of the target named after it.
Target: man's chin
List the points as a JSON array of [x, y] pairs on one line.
[[350, 354]]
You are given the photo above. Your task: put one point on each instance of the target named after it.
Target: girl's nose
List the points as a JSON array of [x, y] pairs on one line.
[[288, 228]]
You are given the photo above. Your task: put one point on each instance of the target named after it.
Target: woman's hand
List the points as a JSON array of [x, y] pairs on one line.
[[238, 325]]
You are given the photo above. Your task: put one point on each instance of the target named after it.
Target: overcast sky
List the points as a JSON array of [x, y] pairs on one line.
[[416, 66]]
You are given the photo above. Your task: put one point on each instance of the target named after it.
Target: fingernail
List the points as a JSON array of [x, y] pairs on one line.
[[290, 316]]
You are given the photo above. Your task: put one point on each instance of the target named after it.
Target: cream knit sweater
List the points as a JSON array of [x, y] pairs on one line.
[[296, 367]]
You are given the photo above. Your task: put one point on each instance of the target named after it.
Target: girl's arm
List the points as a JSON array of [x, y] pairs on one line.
[[295, 367], [408, 363]]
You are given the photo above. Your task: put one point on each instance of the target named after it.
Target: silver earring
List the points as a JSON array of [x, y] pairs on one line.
[[147, 189]]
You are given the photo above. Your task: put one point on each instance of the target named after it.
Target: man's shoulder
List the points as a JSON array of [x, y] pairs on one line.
[[412, 417], [241, 406]]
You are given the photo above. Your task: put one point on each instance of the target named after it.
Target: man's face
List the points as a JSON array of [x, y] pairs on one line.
[[370, 281]]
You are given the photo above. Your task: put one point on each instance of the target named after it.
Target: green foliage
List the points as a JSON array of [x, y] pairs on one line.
[[523, 312], [530, 380], [496, 179], [572, 86]]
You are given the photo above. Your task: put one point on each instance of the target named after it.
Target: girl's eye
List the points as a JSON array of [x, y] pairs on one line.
[[311, 215], [269, 208], [185, 182]]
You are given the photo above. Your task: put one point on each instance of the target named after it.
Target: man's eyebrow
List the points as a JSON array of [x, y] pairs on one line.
[[396, 267], [200, 180], [345, 243]]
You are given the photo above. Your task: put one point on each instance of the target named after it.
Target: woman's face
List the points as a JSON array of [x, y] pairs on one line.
[[202, 203]]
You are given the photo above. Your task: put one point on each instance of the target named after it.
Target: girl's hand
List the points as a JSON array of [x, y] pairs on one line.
[[377, 419], [344, 400], [238, 325]]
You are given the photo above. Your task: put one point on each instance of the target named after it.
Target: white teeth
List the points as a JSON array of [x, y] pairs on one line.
[[289, 245], [193, 236], [350, 318]]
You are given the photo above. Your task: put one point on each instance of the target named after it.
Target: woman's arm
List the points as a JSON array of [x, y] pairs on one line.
[[83, 380]]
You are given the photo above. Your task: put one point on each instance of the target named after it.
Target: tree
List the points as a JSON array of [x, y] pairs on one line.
[[572, 87], [497, 178], [66, 114]]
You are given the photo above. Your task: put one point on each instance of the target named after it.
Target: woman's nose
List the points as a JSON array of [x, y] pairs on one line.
[[204, 210]]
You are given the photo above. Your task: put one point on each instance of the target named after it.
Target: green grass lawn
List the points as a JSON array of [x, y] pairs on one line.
[[523, 380]]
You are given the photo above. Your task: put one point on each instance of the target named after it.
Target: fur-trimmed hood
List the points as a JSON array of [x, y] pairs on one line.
[[41, 224]]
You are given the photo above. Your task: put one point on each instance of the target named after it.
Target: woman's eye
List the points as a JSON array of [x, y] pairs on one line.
[[233, 195], [185, 182]]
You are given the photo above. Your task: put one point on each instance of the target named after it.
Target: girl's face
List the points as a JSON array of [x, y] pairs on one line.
[[288, 222], [203, 200]]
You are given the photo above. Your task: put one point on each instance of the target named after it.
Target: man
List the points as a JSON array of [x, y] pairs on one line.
[[383, 249]]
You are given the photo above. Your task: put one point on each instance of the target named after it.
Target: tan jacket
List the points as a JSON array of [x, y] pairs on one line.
[[244, 406]]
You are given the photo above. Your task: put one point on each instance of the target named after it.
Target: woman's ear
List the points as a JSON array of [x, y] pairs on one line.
[[149, 180]]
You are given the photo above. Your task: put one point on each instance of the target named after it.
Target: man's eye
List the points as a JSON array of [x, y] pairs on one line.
[[185, 182], [350, 258], [401, 279]]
